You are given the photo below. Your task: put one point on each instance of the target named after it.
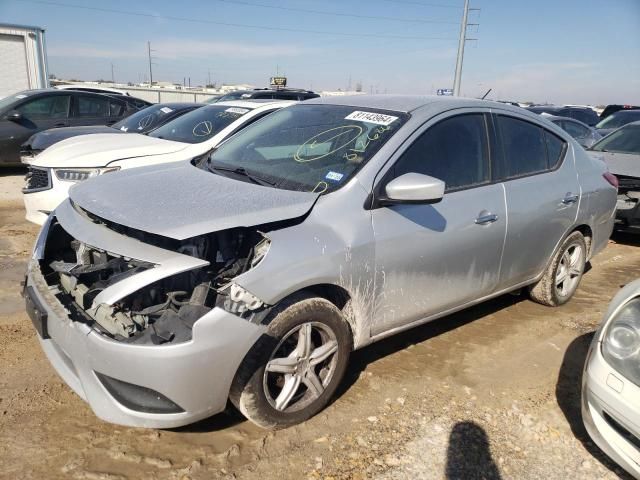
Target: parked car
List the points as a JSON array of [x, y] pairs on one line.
[[611, 381], [617, 120], [31, 111], [266, 93], [609, 109], [583, 133], [143, 121], [76, 159], [583, 114], [251, 274], [621, 151]]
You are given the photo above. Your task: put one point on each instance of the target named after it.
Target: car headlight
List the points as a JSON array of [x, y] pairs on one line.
[[621, 342], [81, 174]]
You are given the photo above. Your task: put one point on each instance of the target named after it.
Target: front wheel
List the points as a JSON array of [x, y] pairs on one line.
[[292, 372], [561, 279]]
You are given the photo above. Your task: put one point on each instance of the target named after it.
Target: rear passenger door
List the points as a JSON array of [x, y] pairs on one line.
[[434, 257], [542, 191]]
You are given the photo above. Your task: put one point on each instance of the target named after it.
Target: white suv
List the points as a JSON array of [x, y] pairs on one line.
[[73, 160]]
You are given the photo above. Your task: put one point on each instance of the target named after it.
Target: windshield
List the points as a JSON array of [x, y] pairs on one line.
[[145, 120], [625, 140], [11, 99], [618, 119], [199, 125], [309, 148]]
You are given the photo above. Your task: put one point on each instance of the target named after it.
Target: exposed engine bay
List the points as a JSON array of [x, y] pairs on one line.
[[163, 311], [628, 211]]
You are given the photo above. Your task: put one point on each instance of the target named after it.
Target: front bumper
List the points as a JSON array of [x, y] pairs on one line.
[[195, 375], [39, 203], [611, 411]]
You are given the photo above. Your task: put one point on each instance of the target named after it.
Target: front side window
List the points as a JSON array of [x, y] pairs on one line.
[[199, 125], [523, 147], [54, 106], [93, 107], [453, 150], [309, 148]]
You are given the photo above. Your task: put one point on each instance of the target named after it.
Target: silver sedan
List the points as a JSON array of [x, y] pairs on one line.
[[161, 292]]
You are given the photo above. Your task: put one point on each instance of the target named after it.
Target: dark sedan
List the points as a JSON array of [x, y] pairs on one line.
[[142, 121], [583, 114], [31, 111]]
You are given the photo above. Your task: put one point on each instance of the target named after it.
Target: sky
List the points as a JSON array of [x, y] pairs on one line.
[[557, 51]]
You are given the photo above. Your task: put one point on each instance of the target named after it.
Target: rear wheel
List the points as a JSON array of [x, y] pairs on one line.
[[293, 371], [563, 275]]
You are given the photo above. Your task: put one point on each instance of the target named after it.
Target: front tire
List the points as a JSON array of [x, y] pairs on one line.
[[292, 372], [563, 275]]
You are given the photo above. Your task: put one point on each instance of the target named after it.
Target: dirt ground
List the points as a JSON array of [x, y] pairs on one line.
[[492, 392]]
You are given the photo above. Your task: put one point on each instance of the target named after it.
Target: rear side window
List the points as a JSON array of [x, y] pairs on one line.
[[93, 107], [523, 146], [575, 129], [116, 109], [454, 150], [555, 149]]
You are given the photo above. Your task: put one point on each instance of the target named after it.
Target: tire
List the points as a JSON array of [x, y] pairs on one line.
[[568, 263], [287, 358]]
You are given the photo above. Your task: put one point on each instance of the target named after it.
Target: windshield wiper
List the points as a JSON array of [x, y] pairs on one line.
[[243, 172]]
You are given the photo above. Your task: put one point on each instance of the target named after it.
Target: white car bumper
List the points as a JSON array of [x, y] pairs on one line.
[[39, 202], [611, 411]]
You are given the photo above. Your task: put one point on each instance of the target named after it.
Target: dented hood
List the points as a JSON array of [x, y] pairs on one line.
[[625, 164], [178, 200], [98, 150]]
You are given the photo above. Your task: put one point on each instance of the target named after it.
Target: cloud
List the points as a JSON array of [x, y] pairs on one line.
[[179, 48]]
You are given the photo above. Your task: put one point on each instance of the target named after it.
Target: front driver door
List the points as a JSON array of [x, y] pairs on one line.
[[433, 258], [41, 113]]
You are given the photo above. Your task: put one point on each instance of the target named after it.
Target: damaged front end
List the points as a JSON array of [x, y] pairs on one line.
[[628, 204], [153, 289]]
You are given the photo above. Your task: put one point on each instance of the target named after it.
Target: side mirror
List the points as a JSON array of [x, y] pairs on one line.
[[414, 188], [14, 116]]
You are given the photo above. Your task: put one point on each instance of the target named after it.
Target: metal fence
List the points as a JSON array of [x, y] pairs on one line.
[[162, 95]]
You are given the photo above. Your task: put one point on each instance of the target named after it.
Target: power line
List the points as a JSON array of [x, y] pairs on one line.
[[420, 4], [236, 25], [335, 14]]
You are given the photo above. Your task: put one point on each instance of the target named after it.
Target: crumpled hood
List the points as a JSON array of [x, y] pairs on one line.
[[626, 164], [41, 140], [178, 200], [102, 148]]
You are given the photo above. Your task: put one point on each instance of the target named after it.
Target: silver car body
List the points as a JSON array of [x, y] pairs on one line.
[[610, 401], [398, 266]]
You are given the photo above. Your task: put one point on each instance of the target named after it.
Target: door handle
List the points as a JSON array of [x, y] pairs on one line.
[[570, 198], [486, 218]]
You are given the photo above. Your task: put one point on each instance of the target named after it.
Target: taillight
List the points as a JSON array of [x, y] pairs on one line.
[[611, 178]]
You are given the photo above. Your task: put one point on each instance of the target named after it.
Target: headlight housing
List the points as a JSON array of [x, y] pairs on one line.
[[81, 174], [621, 341]]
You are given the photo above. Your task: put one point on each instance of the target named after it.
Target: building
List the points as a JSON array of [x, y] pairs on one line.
[[24, 59]]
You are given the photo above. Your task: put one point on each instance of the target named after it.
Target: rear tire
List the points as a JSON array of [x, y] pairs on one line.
[[292, 372], [563, 275]]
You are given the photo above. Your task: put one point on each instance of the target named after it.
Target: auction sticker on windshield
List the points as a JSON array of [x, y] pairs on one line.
[[240, 111], [371, 117]]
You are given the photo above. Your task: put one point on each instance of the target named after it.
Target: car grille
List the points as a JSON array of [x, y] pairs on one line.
[[37, 179]]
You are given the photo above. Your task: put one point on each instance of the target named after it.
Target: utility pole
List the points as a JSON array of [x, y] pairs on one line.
[[150, 63], [113, 78], [463, 39]]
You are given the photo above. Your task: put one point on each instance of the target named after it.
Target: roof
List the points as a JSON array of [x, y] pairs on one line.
[[401, 103], [21, 27]]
